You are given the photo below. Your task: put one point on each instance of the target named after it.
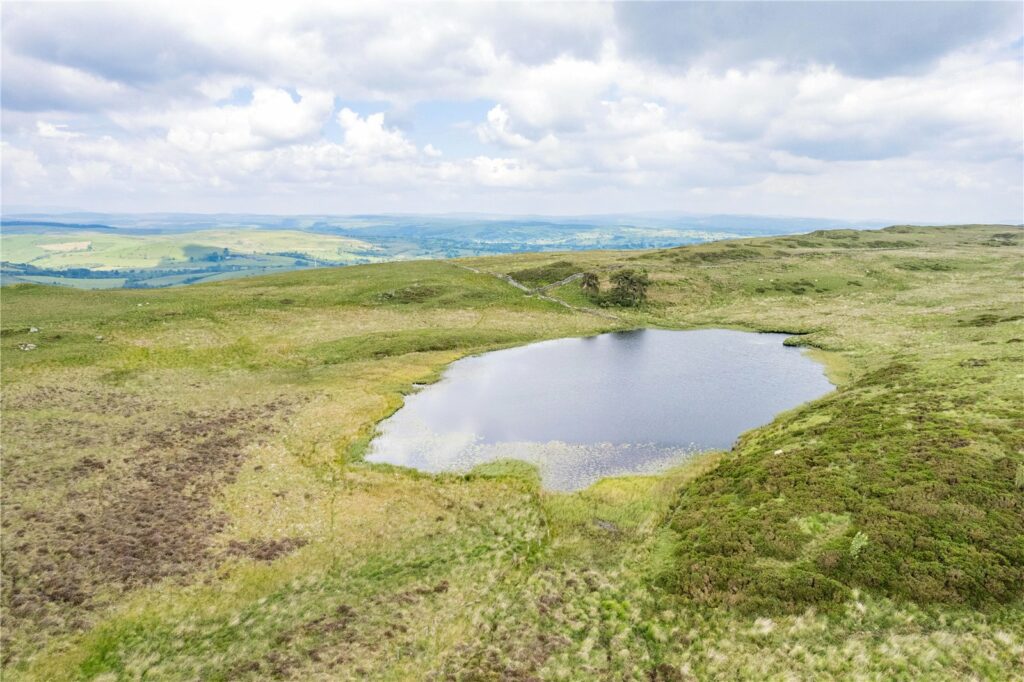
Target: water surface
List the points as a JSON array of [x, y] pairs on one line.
[[582, 409]]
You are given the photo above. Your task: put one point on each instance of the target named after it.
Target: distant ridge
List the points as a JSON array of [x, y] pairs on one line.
[[41, 223]]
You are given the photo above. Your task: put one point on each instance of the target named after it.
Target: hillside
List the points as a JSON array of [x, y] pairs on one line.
[[111, 250], [184, 496]]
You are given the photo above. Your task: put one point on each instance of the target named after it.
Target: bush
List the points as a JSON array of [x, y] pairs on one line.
[[543, 275], [629, 288]]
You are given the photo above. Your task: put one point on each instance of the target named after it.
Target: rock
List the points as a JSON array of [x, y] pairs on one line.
[[27, 346]]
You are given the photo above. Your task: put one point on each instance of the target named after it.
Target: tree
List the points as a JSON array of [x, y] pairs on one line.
[[629, 287], [590, 284]]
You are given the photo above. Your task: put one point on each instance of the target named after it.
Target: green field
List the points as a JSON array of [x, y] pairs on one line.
[[105, 251], [87, 259], [184, 497], [90, 283]]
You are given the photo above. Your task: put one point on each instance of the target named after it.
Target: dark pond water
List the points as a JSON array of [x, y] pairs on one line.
[[583, 409]]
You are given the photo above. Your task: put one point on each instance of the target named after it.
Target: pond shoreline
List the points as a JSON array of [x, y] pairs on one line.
[[644, 434]]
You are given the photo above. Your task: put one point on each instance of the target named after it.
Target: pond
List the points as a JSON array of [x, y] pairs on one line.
[[585, 408]]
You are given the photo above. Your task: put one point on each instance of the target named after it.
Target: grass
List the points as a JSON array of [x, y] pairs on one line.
[[90, 283], [100, 259], [183, 494], [105, 251]]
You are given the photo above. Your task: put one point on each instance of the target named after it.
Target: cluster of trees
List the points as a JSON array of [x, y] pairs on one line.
[[629, 288], [211, 256]]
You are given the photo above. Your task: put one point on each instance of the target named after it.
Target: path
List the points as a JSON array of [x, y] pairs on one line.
[[538, 292]]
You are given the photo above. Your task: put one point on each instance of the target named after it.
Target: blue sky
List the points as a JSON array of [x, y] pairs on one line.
[[901, 111]]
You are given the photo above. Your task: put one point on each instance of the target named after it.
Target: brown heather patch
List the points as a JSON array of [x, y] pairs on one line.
[[121, 522], [265, 549]]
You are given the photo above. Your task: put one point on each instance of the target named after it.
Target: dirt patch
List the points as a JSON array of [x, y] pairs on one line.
[[343, 636], [663, 672], [416, 293], [326, 640], [66, 247], [110, 525], [340, 620], [265, 550]]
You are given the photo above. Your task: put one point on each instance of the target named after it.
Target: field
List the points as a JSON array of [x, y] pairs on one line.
[[184, 495], [106, 251], [96, 259]]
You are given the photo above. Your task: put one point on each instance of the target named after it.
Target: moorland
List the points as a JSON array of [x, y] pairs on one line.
[[184, 494]]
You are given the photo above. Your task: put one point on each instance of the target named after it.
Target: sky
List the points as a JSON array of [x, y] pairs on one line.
[[858, 110]]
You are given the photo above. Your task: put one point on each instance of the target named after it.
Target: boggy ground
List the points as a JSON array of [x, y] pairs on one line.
[[183, 496]]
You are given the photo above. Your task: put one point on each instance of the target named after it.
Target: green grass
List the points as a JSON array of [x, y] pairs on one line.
[[56, 256], [90, 283], [105, 251], [184, 496]]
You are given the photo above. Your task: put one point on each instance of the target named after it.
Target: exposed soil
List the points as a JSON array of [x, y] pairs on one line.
[[111, 524], [265, 550]]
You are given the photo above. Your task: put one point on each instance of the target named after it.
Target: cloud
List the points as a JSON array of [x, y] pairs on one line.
[[497, 172], [276, 117], [573, 107], [272, 117], [497, 129], [367, 137], [21, 167], [32, 85], [55, 131], [155, 48], [861, 38]]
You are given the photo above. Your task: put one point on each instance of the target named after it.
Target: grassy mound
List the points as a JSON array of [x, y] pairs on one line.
[[886, 488]]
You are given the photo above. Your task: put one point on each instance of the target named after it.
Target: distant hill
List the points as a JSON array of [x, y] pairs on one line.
[[83, 249], [33, 225]]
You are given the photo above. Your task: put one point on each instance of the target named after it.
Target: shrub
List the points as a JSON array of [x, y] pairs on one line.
[[629, 288], [542, 275]]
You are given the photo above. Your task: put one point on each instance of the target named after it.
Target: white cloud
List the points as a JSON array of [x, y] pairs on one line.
[[89, 173], [570, 113], [58, 131], [272, 117], [497, 129], [276, 117], [494, 172], [21, 167], [368, 137]]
